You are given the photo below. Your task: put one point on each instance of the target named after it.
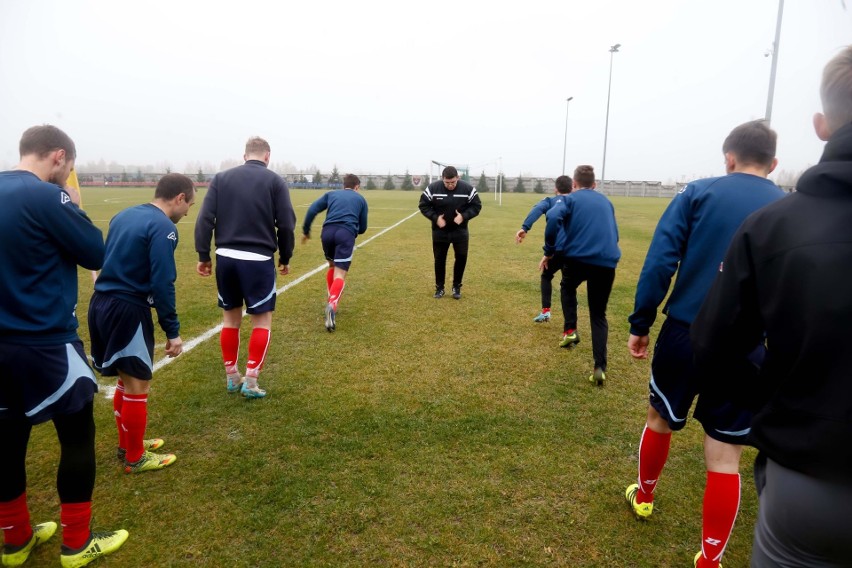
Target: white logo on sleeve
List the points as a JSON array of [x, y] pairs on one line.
[[172, 236], [64, 198]]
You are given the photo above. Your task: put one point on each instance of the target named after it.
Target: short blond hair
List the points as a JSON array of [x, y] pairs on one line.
[[836, 90], [257, 145]]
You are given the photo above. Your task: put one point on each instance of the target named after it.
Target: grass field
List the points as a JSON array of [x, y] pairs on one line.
[[421, 433]]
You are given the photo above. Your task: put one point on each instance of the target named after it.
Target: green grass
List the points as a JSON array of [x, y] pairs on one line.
[[421, 433]]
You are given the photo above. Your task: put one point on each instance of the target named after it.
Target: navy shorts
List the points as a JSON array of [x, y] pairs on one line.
[[122, 336], [39, 382], [246, 281], [338, 244], [675, 383]]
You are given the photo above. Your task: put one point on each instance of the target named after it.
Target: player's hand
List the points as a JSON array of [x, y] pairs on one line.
[[542, 266], [458, 219], [174, 347], [441, 222], [283, 269], [204, 268], [638, 346], [519, 236], [305, 238]]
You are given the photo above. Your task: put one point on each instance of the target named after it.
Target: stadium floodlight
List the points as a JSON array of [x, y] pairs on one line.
[[613, 49], [565, 144], [775, 47]]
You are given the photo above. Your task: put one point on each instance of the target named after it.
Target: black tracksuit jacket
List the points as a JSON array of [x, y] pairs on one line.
[[437, 200]]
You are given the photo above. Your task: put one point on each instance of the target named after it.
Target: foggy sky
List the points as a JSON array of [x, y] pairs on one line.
[[378, 87]]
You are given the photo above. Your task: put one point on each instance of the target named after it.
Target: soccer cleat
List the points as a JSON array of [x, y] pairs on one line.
[[597, 377], [150, 462], [641, 510], [543, 317], [697, 556], [329, 317], [569, 339], [235, 382], [439, 293], [17, 555], [456, 292], [100, 544], [252, 392], [152, 444]]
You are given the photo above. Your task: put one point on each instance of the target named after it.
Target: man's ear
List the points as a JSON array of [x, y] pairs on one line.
[[730, 162], [823, 132], [773, 166]]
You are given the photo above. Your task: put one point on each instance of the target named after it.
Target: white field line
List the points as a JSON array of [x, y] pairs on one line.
[[109, 390]]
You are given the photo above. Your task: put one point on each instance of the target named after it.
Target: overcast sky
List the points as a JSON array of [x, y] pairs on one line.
[[377, 86]]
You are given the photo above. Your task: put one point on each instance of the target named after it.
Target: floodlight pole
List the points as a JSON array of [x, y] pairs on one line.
[[775, 47], [565, 144], [613, 49]]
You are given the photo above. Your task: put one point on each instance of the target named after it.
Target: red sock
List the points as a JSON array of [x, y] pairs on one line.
[[336, 291], [134, 420], [15, 520], [329, 278], [721, 503], [545, 310], [75, 518], [229, 339], [117, 402], [653, 453], [258, 344]]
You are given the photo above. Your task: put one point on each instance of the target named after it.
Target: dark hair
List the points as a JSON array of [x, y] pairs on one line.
[[563, 184], [836, 89], [172, 185], [584, 176], [257, 145], [350, 181], [449, 173], [752, 143], [44, 139]]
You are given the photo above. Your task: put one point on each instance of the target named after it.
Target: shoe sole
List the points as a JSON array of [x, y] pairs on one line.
[[329, 319], [569, 345]]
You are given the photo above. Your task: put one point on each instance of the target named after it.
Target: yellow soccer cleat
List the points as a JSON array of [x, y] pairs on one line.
[[641, 510], [100, 544], [15, 556]]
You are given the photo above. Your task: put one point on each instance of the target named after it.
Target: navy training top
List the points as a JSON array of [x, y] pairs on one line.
[[140, 262], [587, 219], [691, 239], [43, 237], [542, 208], [345, 207]]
